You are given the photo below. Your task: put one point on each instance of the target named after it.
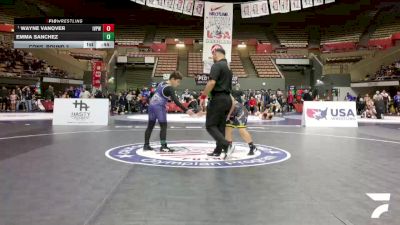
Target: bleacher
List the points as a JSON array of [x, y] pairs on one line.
[[386, 30], [286, 56], [264, 66], [237, 66], [129, 35], [167, 62], [178, 33], [17, 63], [249, 32], [338, 34], [292, 37], [195, 65], [5, 18]]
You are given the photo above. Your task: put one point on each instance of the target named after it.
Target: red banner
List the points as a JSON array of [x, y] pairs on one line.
[[96, 73]]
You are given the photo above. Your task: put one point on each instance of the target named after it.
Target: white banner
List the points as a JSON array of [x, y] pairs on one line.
[[142, 2], [245, 9], [329, 114], [329, 1], [284, 6], [218, 20], [75, 111], [169, 5], [160, 4], [198, 8], [188, 7], [295, 5], [318, 2], [151, 3], [178, 5], [274, 6], [307, 3], [263, 6]]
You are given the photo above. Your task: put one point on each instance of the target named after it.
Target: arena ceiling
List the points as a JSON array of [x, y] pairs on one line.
[[128, 12]]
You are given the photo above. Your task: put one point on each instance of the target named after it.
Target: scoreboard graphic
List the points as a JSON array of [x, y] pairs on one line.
[[63, 33]]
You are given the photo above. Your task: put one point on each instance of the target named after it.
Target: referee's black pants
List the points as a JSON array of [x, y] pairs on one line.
[[217, 111]]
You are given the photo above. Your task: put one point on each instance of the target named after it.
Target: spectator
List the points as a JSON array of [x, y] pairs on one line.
[[379, 106], [129, 99], [84, 94], [386, 100], [252, 105], [186, 95], [396, 101], [360, 106], [307, 96], [3, 98], [13, 100], [290, 100]]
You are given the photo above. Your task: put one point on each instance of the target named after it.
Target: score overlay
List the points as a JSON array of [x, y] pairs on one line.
[[63, 33]]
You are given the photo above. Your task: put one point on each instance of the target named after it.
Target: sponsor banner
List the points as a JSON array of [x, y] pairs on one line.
[[274, 6], [193, 154], [329, 1], [198, 8], [307, 3], [295, 5], [218, 20], [169, 5], [188, 7], [75, 111], [329, 114], [245, 9], [318, 2], [284, 6], [202, 79], [96, 73], [178, 5]]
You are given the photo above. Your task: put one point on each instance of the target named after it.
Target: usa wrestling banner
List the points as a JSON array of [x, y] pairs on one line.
[[318, 2], [307, 3], [274, 5], [188, 7], [284, 6], [218, 20], [295, 5], [202, 79], [96, 73], [198, 8]]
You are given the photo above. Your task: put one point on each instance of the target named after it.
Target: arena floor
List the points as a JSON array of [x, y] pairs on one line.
[[66, 175]]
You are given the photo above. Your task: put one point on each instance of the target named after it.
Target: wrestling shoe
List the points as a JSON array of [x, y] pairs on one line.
[[229, 151], [215, 154], [252, 150], [147, 148], [165, 148]]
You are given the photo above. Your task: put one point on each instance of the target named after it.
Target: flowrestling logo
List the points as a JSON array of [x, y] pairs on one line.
[[331, 113], [193, 154]]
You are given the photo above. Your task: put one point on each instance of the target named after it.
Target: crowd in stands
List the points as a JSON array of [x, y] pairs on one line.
[[389, 72], [379, 105], [18, 99], [17, 63]]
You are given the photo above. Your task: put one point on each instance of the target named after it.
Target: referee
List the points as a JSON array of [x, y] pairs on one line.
[[220, 87]]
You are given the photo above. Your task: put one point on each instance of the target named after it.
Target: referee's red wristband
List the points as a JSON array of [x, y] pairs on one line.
[[203, 96]]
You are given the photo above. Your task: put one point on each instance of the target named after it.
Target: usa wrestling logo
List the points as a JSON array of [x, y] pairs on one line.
[[193, 154]]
